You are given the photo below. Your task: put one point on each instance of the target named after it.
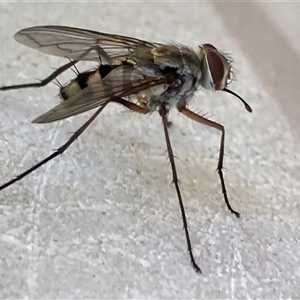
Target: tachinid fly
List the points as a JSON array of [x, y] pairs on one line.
[[140, 75]]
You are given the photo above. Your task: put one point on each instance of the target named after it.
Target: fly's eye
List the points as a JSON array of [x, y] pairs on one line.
[[208, 46], [216, 68]]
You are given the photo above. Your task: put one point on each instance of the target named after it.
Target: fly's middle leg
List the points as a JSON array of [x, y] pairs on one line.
[[164, 114], [60, 150]]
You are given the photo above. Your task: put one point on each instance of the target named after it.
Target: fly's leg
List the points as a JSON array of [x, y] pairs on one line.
[[220, 127], [170, 123], [43, 82], [163, 112], [59, 71], [60, 150], [75, 135], [132, 106]]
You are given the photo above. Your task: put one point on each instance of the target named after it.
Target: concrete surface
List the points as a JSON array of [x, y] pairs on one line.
[[103, 220]]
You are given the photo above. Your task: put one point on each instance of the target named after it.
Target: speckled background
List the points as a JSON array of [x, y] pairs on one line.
[[103, 220]]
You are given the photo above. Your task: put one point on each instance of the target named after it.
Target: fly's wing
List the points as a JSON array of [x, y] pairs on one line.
[[79, 44], [120, 82]]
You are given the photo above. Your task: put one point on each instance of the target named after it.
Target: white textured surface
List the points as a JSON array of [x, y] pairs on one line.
[[103, 220]]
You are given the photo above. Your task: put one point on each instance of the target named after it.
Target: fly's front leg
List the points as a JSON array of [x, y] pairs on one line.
[[220, 127]]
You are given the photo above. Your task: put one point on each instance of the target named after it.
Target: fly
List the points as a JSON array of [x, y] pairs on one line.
[[140, 75]]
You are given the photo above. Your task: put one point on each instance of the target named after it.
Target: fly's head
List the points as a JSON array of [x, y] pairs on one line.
[[216, 68], [217, 71]]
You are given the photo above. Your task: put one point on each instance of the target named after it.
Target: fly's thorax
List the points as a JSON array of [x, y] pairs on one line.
[[167, 56], [184, 59], [216, 68], [182, 66], [179, 92], [149, 69], [176, 56], [145, 98]]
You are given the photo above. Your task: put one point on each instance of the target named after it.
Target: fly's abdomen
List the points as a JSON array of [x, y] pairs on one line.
[[84, 80]]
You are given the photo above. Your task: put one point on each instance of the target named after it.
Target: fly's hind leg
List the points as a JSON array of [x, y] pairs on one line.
[[58, 71], [43, 82]]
